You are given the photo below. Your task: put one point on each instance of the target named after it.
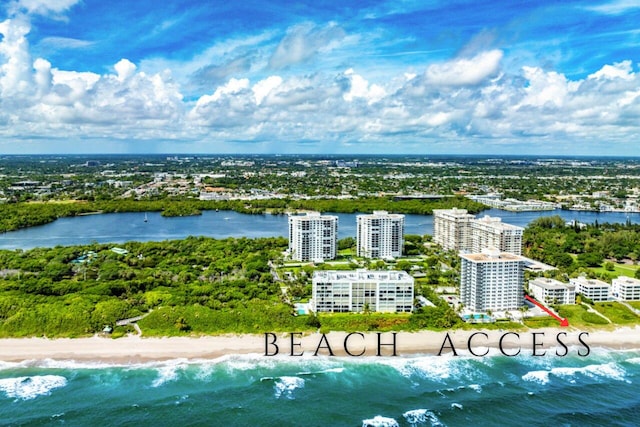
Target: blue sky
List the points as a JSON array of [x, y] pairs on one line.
[[427, 77]]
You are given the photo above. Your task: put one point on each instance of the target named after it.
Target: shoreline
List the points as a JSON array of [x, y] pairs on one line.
[[134, 350]]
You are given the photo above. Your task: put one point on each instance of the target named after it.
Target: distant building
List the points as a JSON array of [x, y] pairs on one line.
[[451, 229], [551, 291], [491, 280], [490, 231], [346, 164], [345, 291], [625, 288], [313, 237], [593, 289], [380, 235]]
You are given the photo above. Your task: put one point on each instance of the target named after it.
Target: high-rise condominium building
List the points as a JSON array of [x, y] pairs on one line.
[[451, 229], [344, 291], [490, 231], [491, 280], [455, 229], [313, 237], [380, 235]]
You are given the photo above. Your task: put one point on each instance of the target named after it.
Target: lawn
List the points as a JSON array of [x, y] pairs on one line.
[[618, 313], [542, 322], [579, 316], [618, 270], [634, 304]]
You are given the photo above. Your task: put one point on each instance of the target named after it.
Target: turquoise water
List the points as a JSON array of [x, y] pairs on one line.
[[601, 389]]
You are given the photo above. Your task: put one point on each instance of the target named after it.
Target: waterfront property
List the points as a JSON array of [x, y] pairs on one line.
[[362, 290], [625, 288], [495, 201], [491, 280], [313, 237], [380, 235], [455, 229], [551, 291], [593, 289], [490, 231], [451, 228]]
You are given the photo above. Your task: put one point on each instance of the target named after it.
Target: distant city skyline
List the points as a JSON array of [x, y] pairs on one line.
[[275, 77]]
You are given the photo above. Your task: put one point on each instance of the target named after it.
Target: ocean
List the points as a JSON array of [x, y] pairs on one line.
[[253, 390]]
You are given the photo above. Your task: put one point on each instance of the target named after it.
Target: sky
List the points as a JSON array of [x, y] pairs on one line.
[[331, 77]]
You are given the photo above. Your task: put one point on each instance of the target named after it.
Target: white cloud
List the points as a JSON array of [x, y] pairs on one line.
[[125, 69], [621, 70], [360, 88], [57, 43], [615, 7], [15, 72], [465, 71], [544, 87], [302, 42], [232, 87], [42, 7], [264, 87], [462, 99], [43, 75]]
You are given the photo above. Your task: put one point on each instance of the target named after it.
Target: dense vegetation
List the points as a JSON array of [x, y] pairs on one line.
[[192, 286], [196, 284], [574, 248], [203, 286]]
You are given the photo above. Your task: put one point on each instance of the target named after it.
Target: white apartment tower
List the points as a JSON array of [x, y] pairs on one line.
[[380, 235], [488, 232], [357, 290], [491, 280], [313, 237], [451, 229]]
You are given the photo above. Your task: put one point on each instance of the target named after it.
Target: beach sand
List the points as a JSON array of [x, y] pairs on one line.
[[134, 349]]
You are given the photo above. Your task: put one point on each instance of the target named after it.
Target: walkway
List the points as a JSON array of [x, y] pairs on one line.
[[592, 310], [133, 321]]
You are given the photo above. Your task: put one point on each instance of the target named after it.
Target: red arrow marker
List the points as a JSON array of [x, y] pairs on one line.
[[563, 322]]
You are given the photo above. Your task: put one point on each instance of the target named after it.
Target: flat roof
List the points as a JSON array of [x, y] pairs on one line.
[[628, 280], [550, 284], [378, 275], [492, 257], [589, 283], [496, 222]]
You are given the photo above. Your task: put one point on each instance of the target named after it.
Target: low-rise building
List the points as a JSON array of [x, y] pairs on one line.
[[360, 290], [625, 288], [551, 291], [593, 289]]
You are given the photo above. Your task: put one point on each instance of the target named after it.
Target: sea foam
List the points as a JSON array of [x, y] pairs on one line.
[[169, 372], [608, 370], [422, 416], [27, 388], [380, 421], [285, 386]]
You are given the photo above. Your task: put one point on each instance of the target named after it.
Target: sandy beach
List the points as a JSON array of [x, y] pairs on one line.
[[134, 349]]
